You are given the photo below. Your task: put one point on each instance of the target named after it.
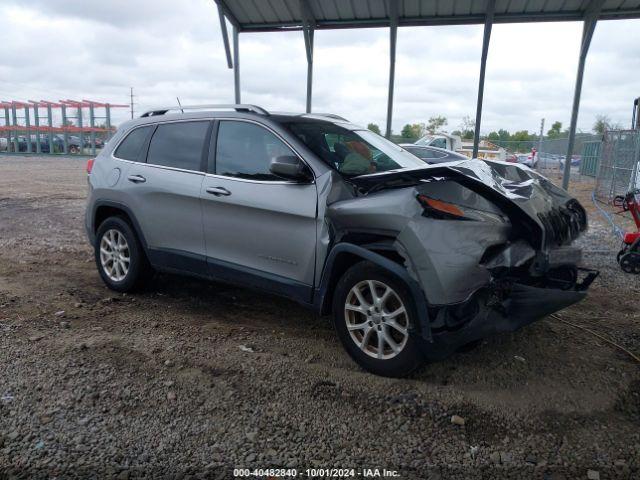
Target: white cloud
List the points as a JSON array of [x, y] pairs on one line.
[[55, 49]]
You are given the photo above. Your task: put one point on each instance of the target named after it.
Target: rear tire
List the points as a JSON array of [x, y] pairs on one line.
[[374, 316], [120, 258]]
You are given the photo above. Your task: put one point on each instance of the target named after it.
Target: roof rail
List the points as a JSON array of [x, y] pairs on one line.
[[330, 115], [236, 107]]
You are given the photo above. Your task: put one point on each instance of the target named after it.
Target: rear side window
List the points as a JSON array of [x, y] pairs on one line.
[[178, 145], [133, 144], [245, 150]]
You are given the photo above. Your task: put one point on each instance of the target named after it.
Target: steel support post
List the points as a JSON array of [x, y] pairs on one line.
[[488, 25], [27, 123], [80, 132], [36, 122], [50, 123], [7, 123], [225, 36], [65, 136], [308, 31], [633, 182], [14, 114], [392, 77], [539, 152], [107, 110], [236, 64], [393, 36], [92, 124], [309, 40], [587, 33]]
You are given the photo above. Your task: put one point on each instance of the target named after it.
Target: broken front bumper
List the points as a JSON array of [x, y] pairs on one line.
[[505, 308]]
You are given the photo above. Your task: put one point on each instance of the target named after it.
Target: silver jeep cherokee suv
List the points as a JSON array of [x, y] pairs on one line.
[[413, 261]]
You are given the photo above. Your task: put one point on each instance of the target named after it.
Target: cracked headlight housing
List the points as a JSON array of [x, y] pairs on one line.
[[442, 210]]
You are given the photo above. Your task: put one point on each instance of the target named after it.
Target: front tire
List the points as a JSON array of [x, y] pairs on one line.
[[375, 317], [121, 261]]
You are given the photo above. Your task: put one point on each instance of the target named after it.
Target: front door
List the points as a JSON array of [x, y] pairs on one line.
[[258, 228]]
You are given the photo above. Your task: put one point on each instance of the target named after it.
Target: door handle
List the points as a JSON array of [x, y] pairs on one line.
[[218, 191], [136, 178]]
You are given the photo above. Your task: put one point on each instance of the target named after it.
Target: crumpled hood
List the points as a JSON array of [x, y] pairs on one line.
[[514, 188], [561, 216]]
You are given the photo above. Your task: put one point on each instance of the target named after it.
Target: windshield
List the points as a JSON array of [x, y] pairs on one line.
[[353, 152]]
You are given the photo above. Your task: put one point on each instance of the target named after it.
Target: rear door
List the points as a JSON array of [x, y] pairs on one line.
[[258, 227], [165, 194]]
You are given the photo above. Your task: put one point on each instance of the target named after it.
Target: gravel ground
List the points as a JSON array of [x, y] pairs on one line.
[[193, 379]]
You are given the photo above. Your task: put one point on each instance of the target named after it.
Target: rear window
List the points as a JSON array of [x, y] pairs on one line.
[[178, 145], [420, 152], [132, 145]]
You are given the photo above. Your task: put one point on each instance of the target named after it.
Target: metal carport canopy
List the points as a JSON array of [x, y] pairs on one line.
[[311, 15]]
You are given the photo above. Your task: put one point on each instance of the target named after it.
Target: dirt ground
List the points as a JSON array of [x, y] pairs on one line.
[[160, 384]]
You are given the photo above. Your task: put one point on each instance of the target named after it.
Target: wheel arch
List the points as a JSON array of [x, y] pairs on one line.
[[104, 209], [344, 255]]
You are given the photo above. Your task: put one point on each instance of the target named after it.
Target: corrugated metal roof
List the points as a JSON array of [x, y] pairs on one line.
[[275, 15]]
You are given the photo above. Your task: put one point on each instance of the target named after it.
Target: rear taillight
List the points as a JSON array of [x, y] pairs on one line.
[[90, 165]]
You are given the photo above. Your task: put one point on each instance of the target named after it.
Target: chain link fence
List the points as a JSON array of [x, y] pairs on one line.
[[613, 159], [619, 159]]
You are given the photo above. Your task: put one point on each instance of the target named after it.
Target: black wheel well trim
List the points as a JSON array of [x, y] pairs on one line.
[[322, 297], [118, 206]]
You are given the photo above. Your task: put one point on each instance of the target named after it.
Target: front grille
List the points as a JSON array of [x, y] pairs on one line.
[[563, 224]]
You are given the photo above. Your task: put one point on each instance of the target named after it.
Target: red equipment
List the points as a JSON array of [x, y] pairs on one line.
[[629, 255]]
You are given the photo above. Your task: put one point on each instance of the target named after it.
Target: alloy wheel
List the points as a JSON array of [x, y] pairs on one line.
[[376, 319], [115, 257]]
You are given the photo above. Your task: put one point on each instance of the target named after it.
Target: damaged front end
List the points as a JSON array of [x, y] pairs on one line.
[[489, 244]]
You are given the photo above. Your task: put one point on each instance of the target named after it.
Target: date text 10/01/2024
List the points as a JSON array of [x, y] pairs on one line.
[[315, 472]]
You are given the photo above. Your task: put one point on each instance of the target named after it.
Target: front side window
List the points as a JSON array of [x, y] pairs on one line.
[[178, 145], [352, 152], [245, 150], [131, 147]]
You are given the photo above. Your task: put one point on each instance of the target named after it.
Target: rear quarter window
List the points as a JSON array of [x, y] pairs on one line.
[[131, 147]]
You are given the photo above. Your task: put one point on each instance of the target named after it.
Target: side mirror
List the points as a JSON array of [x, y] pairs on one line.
[[290, 167]]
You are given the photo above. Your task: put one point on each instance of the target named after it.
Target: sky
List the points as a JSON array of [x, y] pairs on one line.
[[97, 50]]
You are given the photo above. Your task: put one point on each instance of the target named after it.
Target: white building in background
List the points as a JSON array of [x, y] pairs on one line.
[[486, 149]]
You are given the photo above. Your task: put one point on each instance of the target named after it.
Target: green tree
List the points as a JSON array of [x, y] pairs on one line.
[[416, 130], [555, 131], [522, 136], [603, 123], [504, 135], [493, 137], [374, 128], [467, 128], [407, 131], [436, 123]]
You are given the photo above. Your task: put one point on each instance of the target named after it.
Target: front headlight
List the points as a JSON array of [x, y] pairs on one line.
[[449, 211]]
